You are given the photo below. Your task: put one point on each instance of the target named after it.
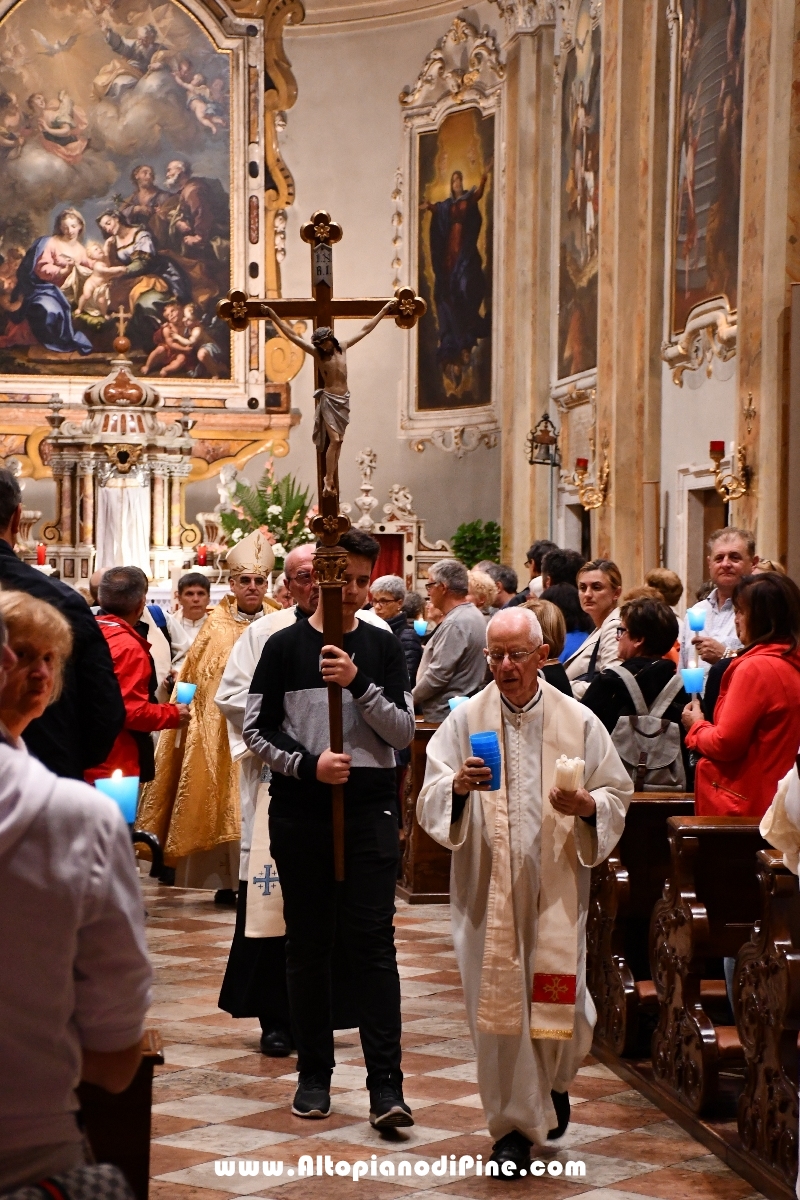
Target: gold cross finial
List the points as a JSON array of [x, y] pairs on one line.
[[122, 318]]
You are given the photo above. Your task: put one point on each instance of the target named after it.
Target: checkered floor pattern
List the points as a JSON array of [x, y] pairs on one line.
[[217, 1097]]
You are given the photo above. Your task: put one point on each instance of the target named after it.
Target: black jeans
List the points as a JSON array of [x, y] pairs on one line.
[[363, 908]]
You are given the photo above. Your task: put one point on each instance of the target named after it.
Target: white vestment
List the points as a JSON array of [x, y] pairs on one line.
[[515, 1072], [230, 699]]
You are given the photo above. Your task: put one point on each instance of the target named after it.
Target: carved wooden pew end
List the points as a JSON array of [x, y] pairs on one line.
[[767, 1002], [709, 907], [118, 1127]]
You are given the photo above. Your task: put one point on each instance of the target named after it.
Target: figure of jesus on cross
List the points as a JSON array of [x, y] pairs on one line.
[[332, 413]]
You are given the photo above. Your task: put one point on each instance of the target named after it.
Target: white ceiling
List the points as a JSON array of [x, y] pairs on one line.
[[341, 15]]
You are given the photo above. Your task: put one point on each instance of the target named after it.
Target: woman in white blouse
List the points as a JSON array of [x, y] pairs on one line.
[[599, 589]]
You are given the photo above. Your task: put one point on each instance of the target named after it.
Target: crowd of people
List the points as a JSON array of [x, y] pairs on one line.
[[578, 665]]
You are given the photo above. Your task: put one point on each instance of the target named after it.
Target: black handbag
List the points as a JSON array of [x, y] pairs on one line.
[[99, 1182]]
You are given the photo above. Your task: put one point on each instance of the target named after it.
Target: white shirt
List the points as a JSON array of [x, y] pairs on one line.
[[75, 971], [720, 625], [190, 628]]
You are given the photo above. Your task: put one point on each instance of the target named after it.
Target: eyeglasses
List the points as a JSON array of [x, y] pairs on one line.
[[302, 577], [621, 631], [246, 580], [517, 656], [432, 583], [379, 601]]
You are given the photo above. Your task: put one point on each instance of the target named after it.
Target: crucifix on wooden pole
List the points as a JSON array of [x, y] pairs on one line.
[[331, 416]]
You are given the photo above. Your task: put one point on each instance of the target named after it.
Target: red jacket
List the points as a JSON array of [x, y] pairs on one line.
[[755, 736], [133, 668]]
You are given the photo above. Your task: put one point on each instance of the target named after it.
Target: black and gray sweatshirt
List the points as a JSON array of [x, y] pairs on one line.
[[286, 718]]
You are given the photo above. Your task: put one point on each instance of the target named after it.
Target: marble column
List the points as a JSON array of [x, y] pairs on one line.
[[635, 90], [159, 508], [85, 501], [175, 526], [525, 337], [769, 261]]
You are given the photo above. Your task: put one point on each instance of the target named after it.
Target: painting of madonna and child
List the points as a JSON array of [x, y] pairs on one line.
[[454, 262], [115, 167]]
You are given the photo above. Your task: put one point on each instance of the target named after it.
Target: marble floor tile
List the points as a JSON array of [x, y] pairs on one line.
[[210, 1108], [217, 1097]]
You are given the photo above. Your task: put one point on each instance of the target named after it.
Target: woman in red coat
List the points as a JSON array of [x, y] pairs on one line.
[[755, 736]]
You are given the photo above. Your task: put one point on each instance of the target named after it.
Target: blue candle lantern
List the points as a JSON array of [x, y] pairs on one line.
[[454, 701], [186, 693], [697, 619], [693, 679], [124, 789], [420, 627]]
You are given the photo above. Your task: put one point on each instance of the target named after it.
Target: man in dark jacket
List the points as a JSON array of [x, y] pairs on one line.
[[78, 731]]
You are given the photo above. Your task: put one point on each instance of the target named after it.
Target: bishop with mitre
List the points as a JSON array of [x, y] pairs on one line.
[[519, 891], [192, 805]]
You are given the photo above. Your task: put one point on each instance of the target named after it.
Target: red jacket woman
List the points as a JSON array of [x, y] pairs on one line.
[[132, 752], [755, 735]]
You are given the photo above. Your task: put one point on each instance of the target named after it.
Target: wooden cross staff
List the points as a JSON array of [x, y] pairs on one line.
[[330, 562]]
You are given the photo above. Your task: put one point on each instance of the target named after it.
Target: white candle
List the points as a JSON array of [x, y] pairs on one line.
[[569, 773], [692, 663]]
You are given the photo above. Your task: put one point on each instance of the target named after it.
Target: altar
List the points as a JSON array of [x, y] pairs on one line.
[[118, 469]]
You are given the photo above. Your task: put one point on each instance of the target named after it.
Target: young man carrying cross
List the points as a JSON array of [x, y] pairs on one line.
[[286, 725]]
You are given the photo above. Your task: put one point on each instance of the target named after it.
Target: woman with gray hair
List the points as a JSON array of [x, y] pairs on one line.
[[452, 662], [388, 594]]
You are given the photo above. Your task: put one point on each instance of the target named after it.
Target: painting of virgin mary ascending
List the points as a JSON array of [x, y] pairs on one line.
[[115, 160], [455, 262]]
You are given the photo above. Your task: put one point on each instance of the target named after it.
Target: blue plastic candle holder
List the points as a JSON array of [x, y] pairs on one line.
[[454, 701], [125, 790], [693, 679], [186, 692], [486, 746], [420, 627], [697, 619]]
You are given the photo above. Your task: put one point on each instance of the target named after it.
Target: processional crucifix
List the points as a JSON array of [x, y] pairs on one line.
[[330, 420]]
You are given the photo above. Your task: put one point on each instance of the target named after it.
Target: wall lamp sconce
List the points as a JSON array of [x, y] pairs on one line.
[[592, 495], [542, 444], [729, 486]]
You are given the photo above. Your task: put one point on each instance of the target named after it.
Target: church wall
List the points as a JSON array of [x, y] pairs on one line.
[[344, 143]]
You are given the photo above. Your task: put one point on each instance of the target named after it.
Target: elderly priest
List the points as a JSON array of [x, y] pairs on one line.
[[519, 891]]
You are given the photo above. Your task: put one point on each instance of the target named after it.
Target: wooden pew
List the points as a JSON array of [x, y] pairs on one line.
[[767, 1005], [623, 892], [425, 869], [118, 1127], [709, 907]]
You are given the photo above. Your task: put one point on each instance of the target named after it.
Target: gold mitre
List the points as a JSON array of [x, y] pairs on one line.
[[252, 554]]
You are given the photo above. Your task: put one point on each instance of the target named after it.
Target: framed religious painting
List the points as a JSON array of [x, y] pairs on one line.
[[137, 152], [576, 183], [707, 39], [452, 136]]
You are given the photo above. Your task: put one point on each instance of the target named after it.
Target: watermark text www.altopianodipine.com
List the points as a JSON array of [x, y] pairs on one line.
[[391, 1167]]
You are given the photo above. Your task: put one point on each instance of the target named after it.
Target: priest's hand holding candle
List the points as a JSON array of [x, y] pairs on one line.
[[184, 698], [568, 796]]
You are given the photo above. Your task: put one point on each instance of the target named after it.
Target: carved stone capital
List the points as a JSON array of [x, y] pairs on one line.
[[710, 333], [526, 16]]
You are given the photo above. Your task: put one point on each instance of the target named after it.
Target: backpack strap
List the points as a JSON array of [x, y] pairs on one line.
[[633, 688], [666, 696]]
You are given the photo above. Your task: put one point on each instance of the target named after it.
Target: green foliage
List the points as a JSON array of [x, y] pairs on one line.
[[279, 508], [473, 541]]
